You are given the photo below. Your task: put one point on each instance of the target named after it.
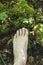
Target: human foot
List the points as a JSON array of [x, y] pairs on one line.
[[20, 43]]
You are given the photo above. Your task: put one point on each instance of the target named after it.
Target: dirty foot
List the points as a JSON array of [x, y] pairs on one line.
[[20, 43]]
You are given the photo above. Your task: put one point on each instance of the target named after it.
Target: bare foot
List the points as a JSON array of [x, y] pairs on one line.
[[20, 43]]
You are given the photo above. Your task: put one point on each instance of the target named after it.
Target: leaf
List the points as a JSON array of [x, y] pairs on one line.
[[3, 16], [25, 20], [29, 20]]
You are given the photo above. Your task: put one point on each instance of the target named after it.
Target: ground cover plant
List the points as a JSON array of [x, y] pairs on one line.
[[16, 14]]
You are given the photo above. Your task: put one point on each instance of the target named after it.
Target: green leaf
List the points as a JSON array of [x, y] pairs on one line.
[[25, 20], [29, 20], [3, 16]]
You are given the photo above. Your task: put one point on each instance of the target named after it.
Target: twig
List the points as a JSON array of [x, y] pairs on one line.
[[2, 59]]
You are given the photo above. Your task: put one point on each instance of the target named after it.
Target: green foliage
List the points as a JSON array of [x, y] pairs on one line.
[[16, 14], [5, 59], [39, 33], [21, 8], [1, 6], [38, 16], [4, 28], [31, 59], [3, 16], [26, 20]]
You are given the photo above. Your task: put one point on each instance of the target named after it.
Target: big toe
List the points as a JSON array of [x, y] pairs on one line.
[[25, 31]]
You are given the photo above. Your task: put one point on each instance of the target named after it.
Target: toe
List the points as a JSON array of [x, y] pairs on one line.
[[17, 34], [25, 31], [20, 32], [14, 38]]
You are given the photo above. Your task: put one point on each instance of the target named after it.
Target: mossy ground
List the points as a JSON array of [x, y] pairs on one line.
[[15, 15]]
